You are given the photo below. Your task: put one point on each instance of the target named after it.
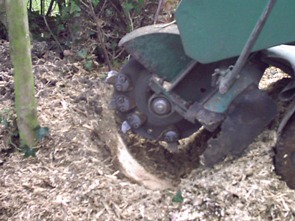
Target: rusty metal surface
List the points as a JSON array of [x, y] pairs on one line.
[[248, 115]]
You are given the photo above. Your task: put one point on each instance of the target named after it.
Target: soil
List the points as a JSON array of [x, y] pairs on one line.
[[75, 175]]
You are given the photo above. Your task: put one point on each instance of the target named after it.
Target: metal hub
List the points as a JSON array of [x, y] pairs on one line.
[[144, 111], [161, 106]]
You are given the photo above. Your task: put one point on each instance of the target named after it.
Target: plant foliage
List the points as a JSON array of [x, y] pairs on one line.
[[96, 25], [178, 198]]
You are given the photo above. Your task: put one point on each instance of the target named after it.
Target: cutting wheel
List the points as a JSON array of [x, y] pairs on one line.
[[149, 114], [285, 154]]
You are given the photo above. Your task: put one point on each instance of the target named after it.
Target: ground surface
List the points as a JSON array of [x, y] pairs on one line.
[[74, 176]]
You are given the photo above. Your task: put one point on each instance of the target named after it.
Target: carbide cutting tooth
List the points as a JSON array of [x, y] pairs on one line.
[[122, 83], [112, 77], [125, 127], [124, 103], [171, 136], [135, 120]]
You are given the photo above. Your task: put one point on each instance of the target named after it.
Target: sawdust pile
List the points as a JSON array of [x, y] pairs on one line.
[[73, 176]]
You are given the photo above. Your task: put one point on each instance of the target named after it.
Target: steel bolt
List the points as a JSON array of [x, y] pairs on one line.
[[123, 103], [122, 83], [161, 106], [136, 120], [171, 136], [118, 87], [112, 77]]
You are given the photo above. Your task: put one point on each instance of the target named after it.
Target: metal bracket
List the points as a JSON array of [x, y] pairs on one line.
[[210, 120], [227, 81], [192, 113]]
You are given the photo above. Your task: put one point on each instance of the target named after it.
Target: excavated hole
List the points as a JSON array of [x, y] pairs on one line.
[[158, 160]]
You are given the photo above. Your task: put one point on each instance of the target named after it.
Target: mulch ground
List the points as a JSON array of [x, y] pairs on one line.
[[73, 177]]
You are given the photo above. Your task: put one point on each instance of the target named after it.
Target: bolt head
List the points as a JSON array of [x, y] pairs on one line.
[[161, 106], [171, 136]]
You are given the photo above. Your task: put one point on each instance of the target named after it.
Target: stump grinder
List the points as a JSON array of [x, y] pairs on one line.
[[203, 71]]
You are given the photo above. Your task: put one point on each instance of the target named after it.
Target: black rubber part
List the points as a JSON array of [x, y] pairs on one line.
[[248, 115], [285, 154]]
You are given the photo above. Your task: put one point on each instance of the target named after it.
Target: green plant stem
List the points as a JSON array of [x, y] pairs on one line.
[[20, 50]]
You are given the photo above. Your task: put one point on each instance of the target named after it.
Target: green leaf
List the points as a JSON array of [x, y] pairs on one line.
[[141, 2], [128, 6], [29, 152], [95, 3], [88, 65], [138, 6], [75, 8], [60, 27], [4, 121], [82, 53], [178, 197], [5, 116], [42, 132]]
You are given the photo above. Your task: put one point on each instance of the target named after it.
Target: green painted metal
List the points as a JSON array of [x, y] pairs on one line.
[[159, 49], [196, 86], [219, 103], [213, 30]]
